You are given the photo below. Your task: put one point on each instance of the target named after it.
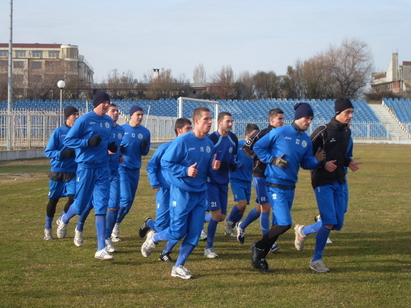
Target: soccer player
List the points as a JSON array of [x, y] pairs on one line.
[[90, 136], [135, 143], [328, 180], [262, 210], [157, 177], [189, 160], [240, 182], [63, 169], [284, 150], [117, 133], [226, 147]]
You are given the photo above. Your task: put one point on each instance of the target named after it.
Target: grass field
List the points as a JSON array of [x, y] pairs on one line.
[[370, 259]]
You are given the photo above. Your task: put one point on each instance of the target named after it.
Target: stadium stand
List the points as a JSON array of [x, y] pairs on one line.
[[365, 123]]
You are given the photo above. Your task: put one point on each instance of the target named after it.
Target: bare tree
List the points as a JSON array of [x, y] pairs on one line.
[[339, 72], [266, 85], [199, 74], [120, 85], [163, 86], [350, 67], [245, 86], [222, 84]]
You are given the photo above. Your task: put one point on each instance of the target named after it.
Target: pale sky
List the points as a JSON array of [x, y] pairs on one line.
[[248, 35]]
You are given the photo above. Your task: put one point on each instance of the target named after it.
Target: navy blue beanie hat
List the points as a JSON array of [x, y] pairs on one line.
[[99, 96], [134, 108], [303, 110], [341, 104], [69, 110]]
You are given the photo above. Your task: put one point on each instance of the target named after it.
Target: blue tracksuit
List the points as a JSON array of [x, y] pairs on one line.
[[55, 145], [117, 133], [187, 194], [226, 150], [156, 176], [240, 179], [297, 147], [54, 148], [130, 168], [93, 170]]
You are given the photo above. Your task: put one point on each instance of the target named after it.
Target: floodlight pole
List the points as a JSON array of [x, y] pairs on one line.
[[10, 82]]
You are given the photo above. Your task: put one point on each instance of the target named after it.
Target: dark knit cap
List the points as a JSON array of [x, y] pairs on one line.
[[69, 110], [341, 104], [135, 108], [303, 110], [99, 96]]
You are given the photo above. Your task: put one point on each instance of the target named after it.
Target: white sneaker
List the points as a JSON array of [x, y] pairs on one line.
[[61, 227], [48, 234], [299, 237], [203, 236], [78, 238], [181, 271], [210, 253], [319, 266], [109, 245], [149, 244], [329, 241], [103, 255], [228, 228], [115, 234], [240, 234]]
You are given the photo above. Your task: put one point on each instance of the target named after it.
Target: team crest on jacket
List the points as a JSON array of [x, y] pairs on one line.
[[304, 144], [208, 149], [107, 125], [119, 136], [230, 150], [140, 136]]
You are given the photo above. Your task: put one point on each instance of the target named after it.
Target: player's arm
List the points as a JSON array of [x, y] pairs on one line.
[[248, 146], [261, 147]]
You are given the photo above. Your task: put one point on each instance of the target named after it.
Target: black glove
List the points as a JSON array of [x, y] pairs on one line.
[[112, 147], [143, 145], [67, 153], [122, 149], [233, 167], [223, 165], [94, 141], [280, 162]]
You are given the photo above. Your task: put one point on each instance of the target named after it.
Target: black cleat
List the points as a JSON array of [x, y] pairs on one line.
[[166, 258], [144, 228]]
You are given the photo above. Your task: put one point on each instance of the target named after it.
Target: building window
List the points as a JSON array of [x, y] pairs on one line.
[[54, 54], [18, 64], [18, 78], [3, 64], [36, 65], [37, 78], [4, 53], [37, 53], [20, 53], [52, 66]]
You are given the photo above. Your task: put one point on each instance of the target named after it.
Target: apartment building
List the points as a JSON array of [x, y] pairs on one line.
[[41, 63]]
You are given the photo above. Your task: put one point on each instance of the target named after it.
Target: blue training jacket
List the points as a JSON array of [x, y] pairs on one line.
[[86, 127], [133, 136], [297, 147], [183, 152], [245, 164], [156, 174], [116, 135], [53, 151]]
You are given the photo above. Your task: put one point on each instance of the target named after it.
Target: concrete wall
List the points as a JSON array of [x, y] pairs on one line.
[[22, 154]]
